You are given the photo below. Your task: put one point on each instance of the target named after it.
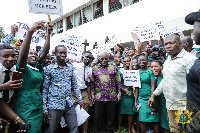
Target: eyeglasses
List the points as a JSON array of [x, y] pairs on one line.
[[126, 61], [103, 59]]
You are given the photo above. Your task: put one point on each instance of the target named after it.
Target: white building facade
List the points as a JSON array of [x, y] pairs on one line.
[[96, 19]]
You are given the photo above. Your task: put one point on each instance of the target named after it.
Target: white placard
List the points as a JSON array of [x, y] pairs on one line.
[[113, 41], [149, 33], [172, 31], [132, 78], [38, 37], [74, 47], [160, 25], [100, 49], [49, 7]]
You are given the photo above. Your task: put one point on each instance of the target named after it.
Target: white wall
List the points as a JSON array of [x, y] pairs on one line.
[[123, 21]]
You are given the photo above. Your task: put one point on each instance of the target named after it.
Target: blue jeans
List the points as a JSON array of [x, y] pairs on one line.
[[69, 115]]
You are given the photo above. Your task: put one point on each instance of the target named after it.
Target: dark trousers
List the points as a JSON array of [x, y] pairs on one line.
[[100, 108], [69, 115]]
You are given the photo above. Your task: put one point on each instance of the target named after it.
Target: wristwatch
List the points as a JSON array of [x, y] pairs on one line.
[[119, 94]]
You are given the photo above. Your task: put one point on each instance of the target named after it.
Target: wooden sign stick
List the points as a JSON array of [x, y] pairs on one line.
[[49, 19]]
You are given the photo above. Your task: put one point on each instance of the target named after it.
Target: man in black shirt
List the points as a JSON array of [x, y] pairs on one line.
[[193, 77]]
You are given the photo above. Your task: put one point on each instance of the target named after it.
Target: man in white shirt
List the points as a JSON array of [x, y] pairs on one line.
[[7, 86], [7, 66], [83, 73], [173, 85]]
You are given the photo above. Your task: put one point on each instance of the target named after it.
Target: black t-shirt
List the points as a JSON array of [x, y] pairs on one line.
[[193, 87]]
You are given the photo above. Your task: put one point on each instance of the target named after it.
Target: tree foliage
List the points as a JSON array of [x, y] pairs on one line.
[[2, 34]]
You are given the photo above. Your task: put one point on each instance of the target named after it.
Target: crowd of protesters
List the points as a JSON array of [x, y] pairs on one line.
[[50, 86]]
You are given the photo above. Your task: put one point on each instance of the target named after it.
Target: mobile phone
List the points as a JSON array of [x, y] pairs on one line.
[[27, 126], [16, 75]]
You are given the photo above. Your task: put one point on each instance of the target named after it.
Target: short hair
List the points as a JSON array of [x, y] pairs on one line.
[[111, 57], [142, 54], [177, 37], [104, 53], [5, 46], [88, 52], [59, 46], [187, 39], [158, 61], [127, 57], [117, 54]]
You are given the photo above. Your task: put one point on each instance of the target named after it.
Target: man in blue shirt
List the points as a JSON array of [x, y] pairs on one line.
[[59, 81]]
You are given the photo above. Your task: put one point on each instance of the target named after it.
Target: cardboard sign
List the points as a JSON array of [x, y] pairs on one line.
[[160, 26], [134, 36], [98, 50], [22, 30], [74, 47], [132, 78], [38, 37], [49, 7], [148, 34], [172, 31], [113, 41]]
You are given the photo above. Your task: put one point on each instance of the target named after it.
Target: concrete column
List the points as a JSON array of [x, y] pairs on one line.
[[105, 7], [64, 24]]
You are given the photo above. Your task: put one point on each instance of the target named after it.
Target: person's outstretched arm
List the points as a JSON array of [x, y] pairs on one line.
[[8, 38], [46, 45], [23, 55]]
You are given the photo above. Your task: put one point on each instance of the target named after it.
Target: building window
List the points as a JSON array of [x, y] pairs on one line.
[[60, 26], [54, 30], [87, 14], [114, 5], [69, 22], [77, 19], [98, 9]]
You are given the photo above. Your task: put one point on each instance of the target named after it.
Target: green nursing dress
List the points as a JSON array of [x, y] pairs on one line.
[[144, 95], [29, 100], [164, 123], [126, 104]]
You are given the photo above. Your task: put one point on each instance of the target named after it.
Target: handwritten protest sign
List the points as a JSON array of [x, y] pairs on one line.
[[38, 37], [160, 26], [112, 42], [98, 50], [49, 7], [148, 33], [132, 78], [74, 47], [172, 31], [22, 30]]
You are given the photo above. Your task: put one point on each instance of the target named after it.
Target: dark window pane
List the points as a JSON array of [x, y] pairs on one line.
[[98, 9], [114, 5]]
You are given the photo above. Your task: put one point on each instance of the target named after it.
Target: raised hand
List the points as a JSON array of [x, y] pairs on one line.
[[14, 29], [37, 25]]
